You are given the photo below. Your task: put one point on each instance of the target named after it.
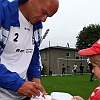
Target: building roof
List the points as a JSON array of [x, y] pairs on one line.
[[59, 47]]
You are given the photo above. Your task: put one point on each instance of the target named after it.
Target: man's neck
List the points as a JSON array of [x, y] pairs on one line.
[[23, 8]]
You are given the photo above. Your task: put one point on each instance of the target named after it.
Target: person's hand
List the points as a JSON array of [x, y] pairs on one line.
[[77, 98], [30, 89], [38, 81]]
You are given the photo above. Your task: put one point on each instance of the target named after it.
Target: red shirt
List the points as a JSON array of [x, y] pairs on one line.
[[96, 94]]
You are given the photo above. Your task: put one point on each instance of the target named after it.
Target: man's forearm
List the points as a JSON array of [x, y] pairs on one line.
[[9, 80]]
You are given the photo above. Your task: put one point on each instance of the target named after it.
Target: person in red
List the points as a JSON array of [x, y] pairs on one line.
[[94, 56]]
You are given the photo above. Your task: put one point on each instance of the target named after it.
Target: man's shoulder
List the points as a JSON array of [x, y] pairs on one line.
[[9, 8]]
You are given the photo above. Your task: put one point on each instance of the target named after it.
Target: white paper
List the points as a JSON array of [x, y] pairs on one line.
[[61, 96], [55, 95]]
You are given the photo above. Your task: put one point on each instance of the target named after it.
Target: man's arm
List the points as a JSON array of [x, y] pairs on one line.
[[12, 81], [9, 80]]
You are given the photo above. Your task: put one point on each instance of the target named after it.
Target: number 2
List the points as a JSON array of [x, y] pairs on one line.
[[16, 37]]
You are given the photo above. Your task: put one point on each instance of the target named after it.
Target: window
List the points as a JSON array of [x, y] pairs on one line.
[[45, 55], [67, 54], [77, 56]]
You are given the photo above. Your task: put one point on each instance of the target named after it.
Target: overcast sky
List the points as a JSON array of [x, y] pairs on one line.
[[70, 19]]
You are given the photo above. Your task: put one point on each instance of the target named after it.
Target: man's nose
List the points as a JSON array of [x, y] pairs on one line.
[[43, 18]]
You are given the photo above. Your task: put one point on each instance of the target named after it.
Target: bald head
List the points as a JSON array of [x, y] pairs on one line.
[[53, 6], [39, 10]]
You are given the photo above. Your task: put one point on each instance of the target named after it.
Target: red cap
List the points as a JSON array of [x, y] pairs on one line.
[[95, 49]]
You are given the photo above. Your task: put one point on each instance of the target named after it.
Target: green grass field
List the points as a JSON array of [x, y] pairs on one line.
[[75, 85]]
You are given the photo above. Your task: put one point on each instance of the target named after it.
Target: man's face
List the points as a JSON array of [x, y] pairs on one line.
[[39, 10]]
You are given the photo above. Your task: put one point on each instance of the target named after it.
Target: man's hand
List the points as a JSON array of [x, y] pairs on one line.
[[38, 81], [30, 89]]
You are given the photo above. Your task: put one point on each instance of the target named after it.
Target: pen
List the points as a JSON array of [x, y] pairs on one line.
[[42, 95]]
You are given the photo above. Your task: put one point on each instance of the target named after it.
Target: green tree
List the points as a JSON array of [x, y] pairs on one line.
[[88, 36]]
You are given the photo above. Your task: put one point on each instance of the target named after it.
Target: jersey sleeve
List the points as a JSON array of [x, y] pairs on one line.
[[9, 80], [34, 69]]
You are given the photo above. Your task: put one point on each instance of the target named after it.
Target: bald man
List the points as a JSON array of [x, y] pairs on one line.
[[20, 38]]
